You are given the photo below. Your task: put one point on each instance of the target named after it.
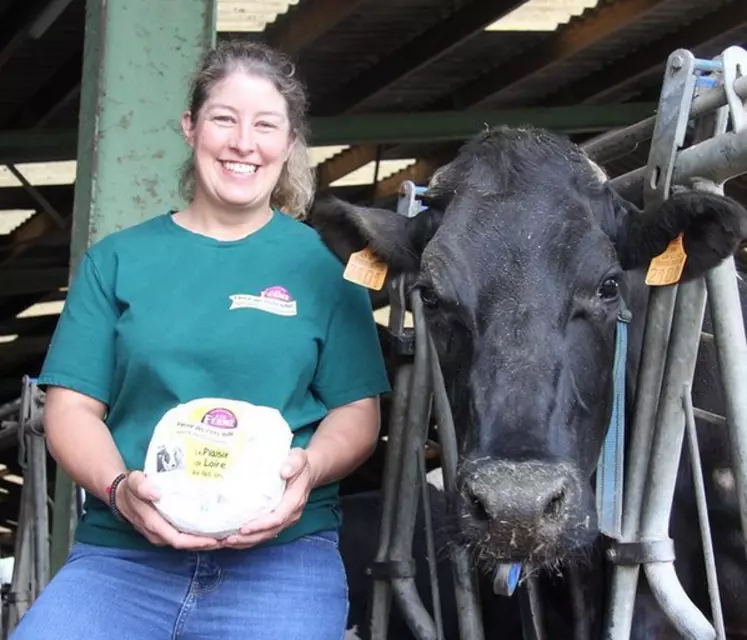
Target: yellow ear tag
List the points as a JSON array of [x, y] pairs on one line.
[[666, 268], [365, 269]]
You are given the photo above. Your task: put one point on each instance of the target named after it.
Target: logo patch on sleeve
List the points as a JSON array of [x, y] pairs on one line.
[[276, 299]]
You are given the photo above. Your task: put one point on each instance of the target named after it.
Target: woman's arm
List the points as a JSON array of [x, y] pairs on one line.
[[344, 440], [83, 447], [79, 441]]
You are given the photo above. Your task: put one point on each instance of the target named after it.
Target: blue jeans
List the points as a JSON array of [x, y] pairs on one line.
[[285, 592]]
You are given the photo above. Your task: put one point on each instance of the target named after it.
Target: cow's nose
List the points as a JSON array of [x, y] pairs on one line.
[[532, 497]]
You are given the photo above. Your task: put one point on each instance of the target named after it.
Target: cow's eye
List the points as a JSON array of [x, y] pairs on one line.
[[609, 289], [429, 297]]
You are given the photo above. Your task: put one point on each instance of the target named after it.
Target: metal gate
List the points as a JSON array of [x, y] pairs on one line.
[[711, 93]]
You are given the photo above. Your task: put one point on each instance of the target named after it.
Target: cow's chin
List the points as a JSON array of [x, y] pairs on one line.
[[495, 541]]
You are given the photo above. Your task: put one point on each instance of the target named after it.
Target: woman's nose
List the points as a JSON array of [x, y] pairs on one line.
[[244, 141]]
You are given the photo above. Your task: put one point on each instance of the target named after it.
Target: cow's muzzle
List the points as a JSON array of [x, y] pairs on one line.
[[523, 510]]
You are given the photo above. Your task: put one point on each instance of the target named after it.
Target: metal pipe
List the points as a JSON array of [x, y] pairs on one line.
[[581, 619], [38, 463], [651, 372], [710, 418], [531, 611], [430, 548], [469, 610], [413, 440], [717, 159], [415, 614], [672, 598], [665, 456], [47, 17], [403, 589], [381, 596], [22, 580], [731, 348], [702, 504], [618, 143]]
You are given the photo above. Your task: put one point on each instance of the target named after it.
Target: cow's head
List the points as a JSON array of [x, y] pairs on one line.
[[521, 262]]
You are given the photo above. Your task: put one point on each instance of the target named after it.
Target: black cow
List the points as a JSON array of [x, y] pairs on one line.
[[522, 260]]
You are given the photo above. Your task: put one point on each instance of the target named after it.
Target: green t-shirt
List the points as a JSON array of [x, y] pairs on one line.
[[158, 315]]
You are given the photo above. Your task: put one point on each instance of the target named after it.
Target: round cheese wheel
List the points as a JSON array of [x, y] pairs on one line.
[[216, 464]]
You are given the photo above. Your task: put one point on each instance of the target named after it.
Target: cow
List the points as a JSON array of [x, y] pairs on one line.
[[523, 258]]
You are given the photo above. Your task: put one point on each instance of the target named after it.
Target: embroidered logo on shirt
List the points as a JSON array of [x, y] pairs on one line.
[[277, 300]]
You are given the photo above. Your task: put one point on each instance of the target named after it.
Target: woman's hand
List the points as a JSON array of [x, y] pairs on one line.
[[135, 497], [298, 476]]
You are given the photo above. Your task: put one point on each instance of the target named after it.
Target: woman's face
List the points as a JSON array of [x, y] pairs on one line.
[[241, 140]]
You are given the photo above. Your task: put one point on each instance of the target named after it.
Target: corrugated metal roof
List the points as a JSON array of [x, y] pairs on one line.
[[249, 15], [542, 15], [11, 219], [656, 23], [462, 65], [367, 35]]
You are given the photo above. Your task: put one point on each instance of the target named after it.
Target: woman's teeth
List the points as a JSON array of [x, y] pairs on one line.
[[238, 167]]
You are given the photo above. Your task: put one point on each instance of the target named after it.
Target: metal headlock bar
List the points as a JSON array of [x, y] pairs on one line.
[[671, 340], [31, 567], [709, 92], [618, 143]]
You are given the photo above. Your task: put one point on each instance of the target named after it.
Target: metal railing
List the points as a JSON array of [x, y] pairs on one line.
[[663, 410]]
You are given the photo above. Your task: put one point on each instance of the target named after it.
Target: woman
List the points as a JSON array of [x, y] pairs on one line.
[[177, 308]]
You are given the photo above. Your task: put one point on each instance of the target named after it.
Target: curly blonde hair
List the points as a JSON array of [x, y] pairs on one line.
[[295, 188]]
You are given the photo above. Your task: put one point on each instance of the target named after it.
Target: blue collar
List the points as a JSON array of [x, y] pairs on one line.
[[610, 467]]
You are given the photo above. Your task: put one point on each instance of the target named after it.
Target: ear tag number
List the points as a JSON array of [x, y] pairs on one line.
[[365, 268], [666, 268]]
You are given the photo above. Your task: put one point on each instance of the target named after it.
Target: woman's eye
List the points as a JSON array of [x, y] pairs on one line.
[[609, 289]]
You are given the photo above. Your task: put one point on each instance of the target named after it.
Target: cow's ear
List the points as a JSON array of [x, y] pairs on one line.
[[395, 239], [712, 227]]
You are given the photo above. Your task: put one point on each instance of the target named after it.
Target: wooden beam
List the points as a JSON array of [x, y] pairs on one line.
[[307, 22], [618, 80], [23, 347], [15, 26], [449, 126], [32, 145], [445, 36], [29, 325], [567, 42], [59, 196], [54, 96], [16, 282]]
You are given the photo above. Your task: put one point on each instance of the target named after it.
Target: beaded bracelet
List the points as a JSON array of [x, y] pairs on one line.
[[111, 490]]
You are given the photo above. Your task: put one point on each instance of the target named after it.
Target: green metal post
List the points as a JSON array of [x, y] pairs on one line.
[[138, 58]]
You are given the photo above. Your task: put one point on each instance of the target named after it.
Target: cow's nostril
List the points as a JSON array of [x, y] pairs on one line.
[[476, 506], [555, 505]]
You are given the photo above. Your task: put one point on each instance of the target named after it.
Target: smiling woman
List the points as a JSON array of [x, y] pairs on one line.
[[245, 124], [230, 301]]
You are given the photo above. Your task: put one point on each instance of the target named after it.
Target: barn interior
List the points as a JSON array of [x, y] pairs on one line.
[[395, 88]]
